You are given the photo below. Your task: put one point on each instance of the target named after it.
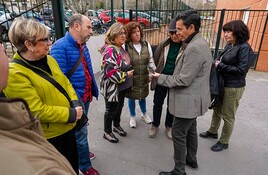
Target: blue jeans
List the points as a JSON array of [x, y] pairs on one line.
[[82, 144], [132, 104]]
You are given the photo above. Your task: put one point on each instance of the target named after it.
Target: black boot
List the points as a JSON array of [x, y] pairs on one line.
[[208, 134]]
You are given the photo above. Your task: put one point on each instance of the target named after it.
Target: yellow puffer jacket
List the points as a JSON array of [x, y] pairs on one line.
[[44, 99]]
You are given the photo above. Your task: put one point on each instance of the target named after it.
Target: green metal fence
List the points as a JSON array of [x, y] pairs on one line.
[[211, 28], [158, 16]]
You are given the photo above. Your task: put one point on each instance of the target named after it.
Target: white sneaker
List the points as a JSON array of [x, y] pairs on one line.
[[132, 122], [146, 118]]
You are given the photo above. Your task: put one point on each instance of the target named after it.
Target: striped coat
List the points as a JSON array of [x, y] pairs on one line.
[[111, 72]]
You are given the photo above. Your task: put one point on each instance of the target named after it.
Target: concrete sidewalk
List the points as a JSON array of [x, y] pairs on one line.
[[137, 154]]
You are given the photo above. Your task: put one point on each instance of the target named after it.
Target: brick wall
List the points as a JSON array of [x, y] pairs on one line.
[[262, 64]]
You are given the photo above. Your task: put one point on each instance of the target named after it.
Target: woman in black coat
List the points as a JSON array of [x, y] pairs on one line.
[[233, 64]]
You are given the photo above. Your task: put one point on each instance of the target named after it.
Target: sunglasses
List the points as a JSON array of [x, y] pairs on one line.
[[172, 33]]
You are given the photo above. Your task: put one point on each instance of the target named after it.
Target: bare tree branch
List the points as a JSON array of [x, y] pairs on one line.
[[78, 6]]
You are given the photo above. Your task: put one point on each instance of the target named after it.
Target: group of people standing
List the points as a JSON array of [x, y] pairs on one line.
[[179, 70]]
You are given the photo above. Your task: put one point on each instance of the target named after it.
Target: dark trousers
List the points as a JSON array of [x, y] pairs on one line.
[[113, 112], [66, 145], [184, 137], [160, 94]]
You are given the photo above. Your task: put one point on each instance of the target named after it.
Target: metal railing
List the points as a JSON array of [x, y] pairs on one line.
[[157, 21], [211, 28]]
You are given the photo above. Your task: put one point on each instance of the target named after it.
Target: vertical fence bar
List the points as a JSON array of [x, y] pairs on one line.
[[256, 34], [112, 11], [151, 6], [172, 9], [136, 16], [219, 33], [176, 5], [167, 11], [59, 22], [263, 31], [130, 15], [123, 7], [252, 24]]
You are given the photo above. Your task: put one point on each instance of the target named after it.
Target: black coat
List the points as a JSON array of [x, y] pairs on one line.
[[235, 63]]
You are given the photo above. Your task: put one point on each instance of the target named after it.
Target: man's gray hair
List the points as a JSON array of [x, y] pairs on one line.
[[75, 18]]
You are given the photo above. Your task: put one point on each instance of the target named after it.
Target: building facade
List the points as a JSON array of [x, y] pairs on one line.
[[251, 20]]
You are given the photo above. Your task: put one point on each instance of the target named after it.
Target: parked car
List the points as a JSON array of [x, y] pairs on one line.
[[155, 21], [92, 14], [7, 19], [99, 11], [118, 15], [68, 13], [155, 14], [47, 14], [31, 14], [5, 24]]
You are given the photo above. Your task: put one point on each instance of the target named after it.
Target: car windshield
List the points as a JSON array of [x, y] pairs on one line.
[[68, 13]]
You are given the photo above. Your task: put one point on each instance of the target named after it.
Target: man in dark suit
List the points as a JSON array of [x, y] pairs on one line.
[[189, 95]]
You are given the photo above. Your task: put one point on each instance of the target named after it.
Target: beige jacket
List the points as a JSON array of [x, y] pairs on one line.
[[189, 94], [23, 148]]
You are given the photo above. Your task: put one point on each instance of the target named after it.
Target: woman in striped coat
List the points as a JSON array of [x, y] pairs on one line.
[[115, 80]]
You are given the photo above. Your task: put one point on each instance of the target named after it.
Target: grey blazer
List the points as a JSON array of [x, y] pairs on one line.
[[189, 94]]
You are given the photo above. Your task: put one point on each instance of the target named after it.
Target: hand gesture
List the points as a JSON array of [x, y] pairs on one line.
[[156, 75], [79, 112], [130, 73], [217, 62]]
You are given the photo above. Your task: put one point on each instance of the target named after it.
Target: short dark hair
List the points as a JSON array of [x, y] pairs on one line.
[[190, 17], [75, 18], [239, 29]]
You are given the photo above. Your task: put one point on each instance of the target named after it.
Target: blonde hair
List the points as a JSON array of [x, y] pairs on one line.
[[23, 29], [113, 32]]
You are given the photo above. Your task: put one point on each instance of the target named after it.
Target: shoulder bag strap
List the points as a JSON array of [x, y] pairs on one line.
[[45, 76], [70, 73]]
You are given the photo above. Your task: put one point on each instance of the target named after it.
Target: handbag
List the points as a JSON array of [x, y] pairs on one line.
[[79, 123], [216, 88]]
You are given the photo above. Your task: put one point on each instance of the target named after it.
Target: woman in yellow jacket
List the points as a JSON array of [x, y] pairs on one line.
[[57, 115]]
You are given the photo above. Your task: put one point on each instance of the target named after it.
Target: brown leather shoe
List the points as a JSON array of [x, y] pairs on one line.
[[169, 133], [153, 131]]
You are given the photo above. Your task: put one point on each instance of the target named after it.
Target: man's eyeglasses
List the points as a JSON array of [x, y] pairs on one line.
[[172, 33]]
